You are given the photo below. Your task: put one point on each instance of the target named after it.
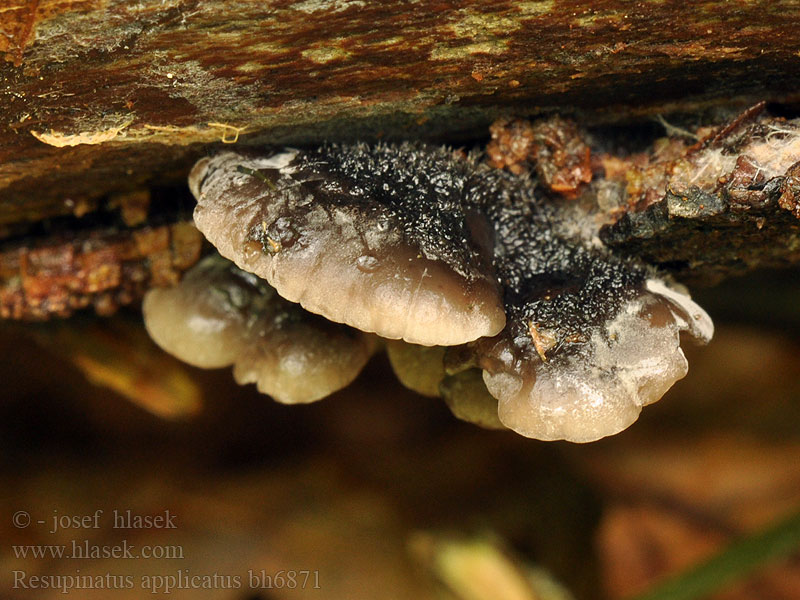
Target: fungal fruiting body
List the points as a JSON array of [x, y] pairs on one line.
[[469, 400], [597, 385], [220, 315], [399, 258], [428, 246]]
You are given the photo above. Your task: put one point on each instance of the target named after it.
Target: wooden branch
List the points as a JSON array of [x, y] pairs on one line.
[[101, 96]]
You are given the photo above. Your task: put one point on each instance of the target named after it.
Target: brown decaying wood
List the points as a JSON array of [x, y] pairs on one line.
[[101, 268], [120, 93]]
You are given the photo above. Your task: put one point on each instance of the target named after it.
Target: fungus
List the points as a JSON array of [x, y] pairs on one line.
[[468, 399], [590, 337], [377, 239], [419, 368], [423, 244], [595, 386], [220, 315]]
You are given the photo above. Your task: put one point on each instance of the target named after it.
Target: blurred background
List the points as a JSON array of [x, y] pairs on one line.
[[376, 492]]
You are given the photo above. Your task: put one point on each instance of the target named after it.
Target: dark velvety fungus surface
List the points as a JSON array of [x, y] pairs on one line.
[[431, 246], [377, 238]]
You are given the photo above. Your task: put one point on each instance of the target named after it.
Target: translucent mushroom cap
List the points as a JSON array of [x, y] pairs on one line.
[[344, 248], [303, 361], [419, 368], [599, 388], [204, 320], [413, 243], [219, 315], [468, 399]]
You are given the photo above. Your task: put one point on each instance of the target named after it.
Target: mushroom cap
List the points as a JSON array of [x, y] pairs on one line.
[[357, 251], [419, 368], [203, 320], [414, 244], [468, 399], [220, 315], [303, 362], [598, 387]]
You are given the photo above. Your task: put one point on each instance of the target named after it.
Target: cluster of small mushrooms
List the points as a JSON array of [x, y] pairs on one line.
[[481, 290]]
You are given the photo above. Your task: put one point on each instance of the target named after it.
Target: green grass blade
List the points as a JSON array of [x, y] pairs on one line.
[[735, 562]]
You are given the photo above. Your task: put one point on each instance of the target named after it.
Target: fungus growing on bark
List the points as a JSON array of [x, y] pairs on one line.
[[220, 315], [378, 239], [433, 247], [595, 386]]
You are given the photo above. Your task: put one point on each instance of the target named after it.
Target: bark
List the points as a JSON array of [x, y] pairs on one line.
[[103, 96]]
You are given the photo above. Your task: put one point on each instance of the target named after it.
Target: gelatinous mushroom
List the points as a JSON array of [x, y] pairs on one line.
[[377, 238], [220, 315], [468, 399], [597, 386], [419, 243], [419, 368], [590, 337]]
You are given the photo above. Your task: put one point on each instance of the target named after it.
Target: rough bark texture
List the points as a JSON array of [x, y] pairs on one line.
[[723, 206], [100, 268], [106, 95], [703, 242]]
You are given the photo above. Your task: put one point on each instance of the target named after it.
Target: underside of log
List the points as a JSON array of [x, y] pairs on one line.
[[102, 96]]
